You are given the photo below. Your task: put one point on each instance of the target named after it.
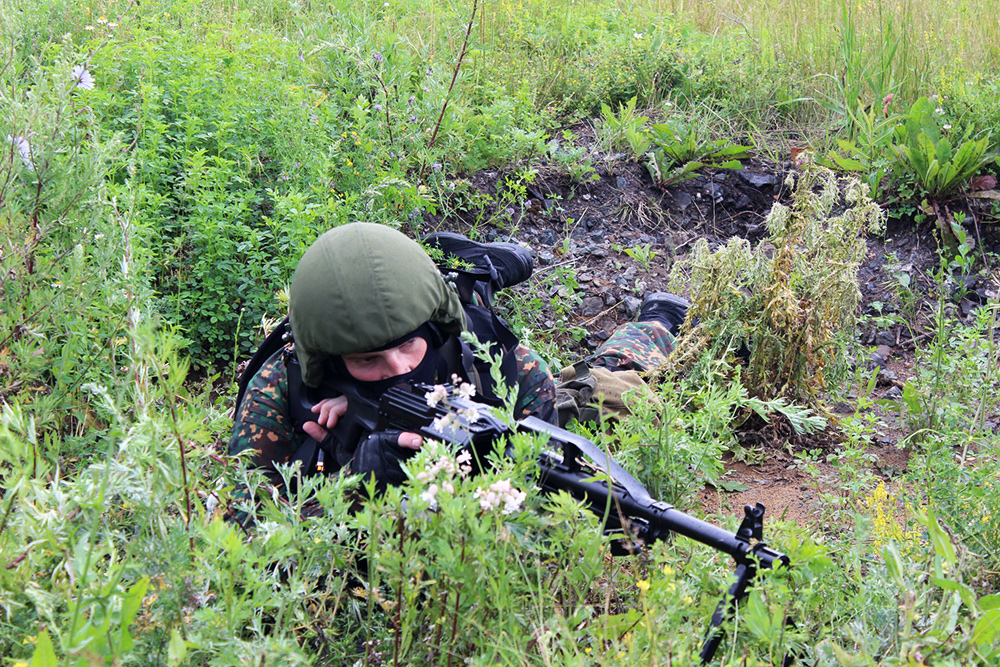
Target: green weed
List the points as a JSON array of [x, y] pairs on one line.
[[787, 299]]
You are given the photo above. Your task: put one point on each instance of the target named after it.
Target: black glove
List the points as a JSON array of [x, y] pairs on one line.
[[379, 455]]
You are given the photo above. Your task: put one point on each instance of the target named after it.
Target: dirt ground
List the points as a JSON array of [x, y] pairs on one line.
[[588, 226]]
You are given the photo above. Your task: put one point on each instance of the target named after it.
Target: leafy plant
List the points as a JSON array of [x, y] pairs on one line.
[[868, 153], [680, 150], [623, 129], [642, 253], [927, 157], [575, 160]]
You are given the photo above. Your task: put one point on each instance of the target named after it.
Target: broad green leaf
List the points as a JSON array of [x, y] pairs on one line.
[[176, 648], [894, 563], [987, 628], [45, 654], [847, 164], [968, 597]]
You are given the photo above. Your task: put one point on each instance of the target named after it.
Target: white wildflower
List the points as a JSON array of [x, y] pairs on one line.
[[102, 20], [465, 390], [88, 27], [445, 423], [82, 77], [464, 461], [501, 492], [471, 413], [488, 500], [435, 396], [946, 127], [23, 149], [430, 496]]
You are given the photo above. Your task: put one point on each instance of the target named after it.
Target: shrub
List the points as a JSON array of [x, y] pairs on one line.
[[70, 274], [787, 299]]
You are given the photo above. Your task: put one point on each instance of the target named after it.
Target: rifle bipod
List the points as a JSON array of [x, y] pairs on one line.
[[751, 528]]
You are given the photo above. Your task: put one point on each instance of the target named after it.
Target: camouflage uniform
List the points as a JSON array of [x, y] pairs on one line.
[[264, 424], [635, 346]]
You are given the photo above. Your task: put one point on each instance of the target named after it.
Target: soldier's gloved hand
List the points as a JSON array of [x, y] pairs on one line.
[[380, 455]]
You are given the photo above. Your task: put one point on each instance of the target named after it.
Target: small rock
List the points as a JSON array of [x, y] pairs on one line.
[[585, 196], [683, 200], [879, 356], [591, 306], [715, 191], [601, 335], [885, 376], [893, 393], [548, 237], [578, 234], [630, 273], [597, 236], [585, 277], [758, 180], [743, 202], [630, 306], [622, 182], [884, 338], [609, 299], [599, 251]]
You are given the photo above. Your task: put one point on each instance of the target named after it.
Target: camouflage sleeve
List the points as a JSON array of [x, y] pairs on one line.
[[536, 390], [263, 424]]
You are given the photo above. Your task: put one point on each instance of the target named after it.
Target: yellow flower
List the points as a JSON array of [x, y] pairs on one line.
[[643, 585], [668, 571]]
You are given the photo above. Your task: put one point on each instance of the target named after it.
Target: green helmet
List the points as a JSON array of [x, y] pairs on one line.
[[361, 286]]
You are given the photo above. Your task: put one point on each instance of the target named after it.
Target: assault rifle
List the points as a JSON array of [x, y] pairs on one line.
[[573, 464]]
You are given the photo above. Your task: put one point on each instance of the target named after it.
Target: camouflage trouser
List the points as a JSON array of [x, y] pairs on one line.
[[637, 346]]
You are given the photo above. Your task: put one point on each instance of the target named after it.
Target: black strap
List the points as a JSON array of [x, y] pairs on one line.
[[275, 341]]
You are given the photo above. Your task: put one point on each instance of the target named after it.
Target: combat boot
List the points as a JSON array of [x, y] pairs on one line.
[[668, 309], [507, 263]]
